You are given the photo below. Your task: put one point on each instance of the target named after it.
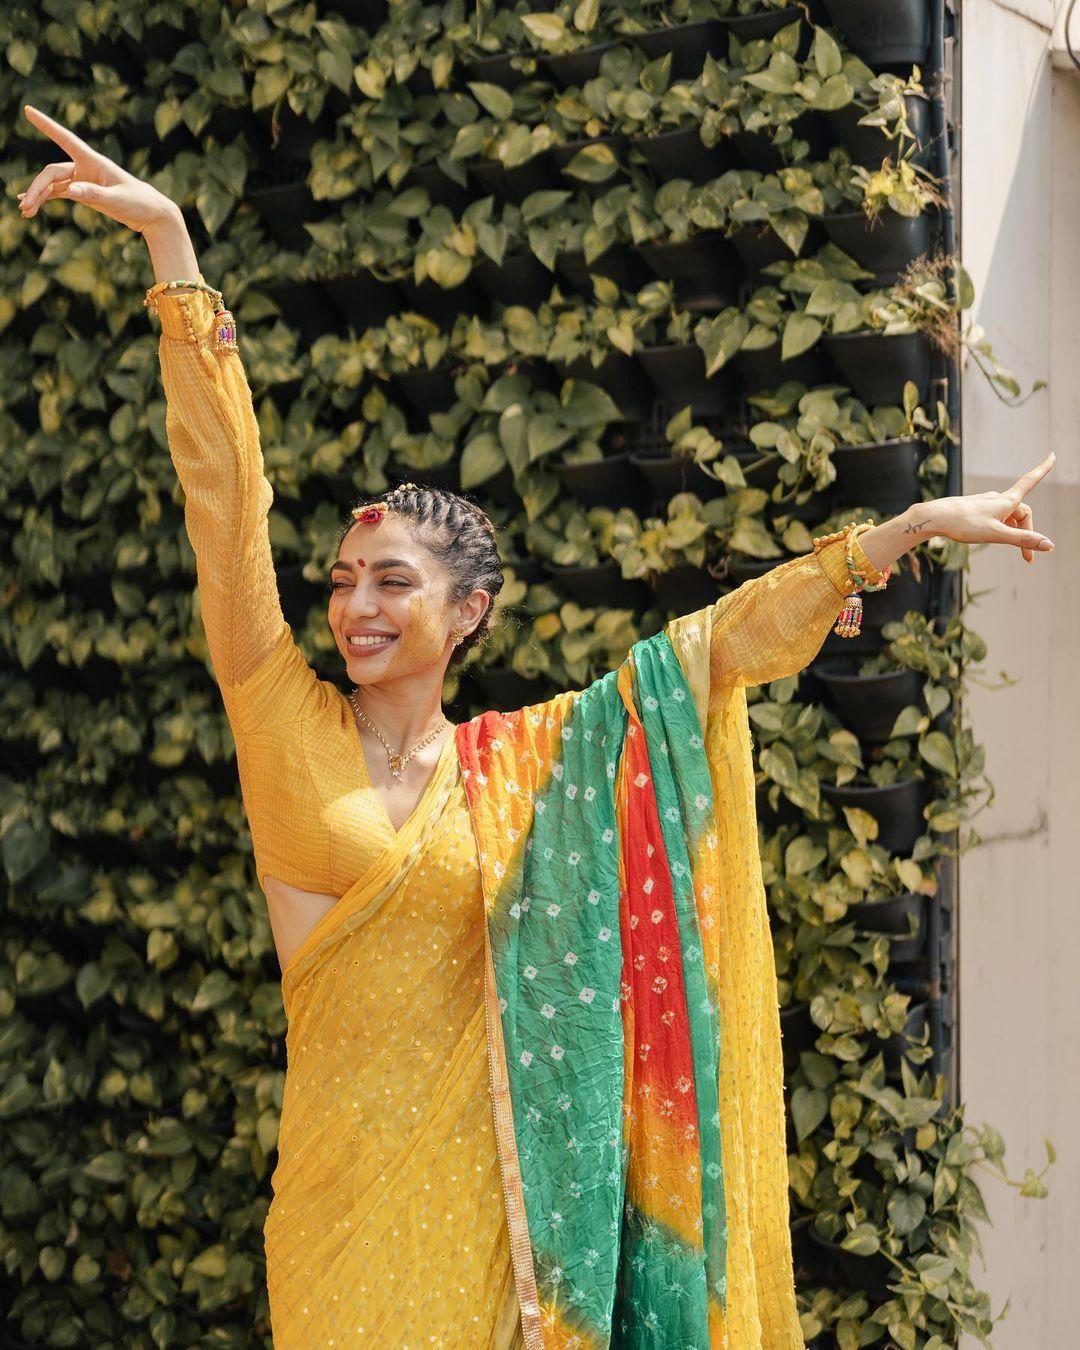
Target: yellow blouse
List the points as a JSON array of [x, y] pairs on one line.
[[373, 1226]]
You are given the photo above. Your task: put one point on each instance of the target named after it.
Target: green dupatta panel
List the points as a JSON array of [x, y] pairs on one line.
[[594, 822]]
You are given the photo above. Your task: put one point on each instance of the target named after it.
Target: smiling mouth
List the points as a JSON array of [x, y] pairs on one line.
[[369, 644]]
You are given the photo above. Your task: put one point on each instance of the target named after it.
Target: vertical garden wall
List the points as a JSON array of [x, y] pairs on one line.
[[670, 287]]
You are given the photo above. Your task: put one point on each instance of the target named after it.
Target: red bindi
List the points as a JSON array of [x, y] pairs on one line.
[[360, 562]]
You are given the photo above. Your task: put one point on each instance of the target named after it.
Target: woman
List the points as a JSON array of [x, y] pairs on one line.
[[556, 913]]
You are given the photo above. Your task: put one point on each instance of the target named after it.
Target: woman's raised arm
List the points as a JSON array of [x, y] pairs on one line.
[[213, 438]]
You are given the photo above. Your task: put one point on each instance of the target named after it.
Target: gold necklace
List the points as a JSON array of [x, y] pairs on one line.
[[396, 761]]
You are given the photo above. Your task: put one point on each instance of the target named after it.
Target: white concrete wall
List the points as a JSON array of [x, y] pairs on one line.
[[1019, 917]]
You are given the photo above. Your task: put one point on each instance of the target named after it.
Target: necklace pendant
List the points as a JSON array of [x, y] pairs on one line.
[[396, 765]]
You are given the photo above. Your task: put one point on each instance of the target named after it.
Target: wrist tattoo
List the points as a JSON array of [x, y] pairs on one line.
[[915, 526]]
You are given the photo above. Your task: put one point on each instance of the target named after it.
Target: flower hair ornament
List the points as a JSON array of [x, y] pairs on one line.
[[368, 515]]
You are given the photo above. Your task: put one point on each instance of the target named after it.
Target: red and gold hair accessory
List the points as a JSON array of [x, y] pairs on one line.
[[368, 515]]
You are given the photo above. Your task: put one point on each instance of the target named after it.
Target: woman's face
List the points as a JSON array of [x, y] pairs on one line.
[[388, 590]]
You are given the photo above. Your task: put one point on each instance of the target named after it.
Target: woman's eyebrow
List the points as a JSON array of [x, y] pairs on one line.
[[381, 566]]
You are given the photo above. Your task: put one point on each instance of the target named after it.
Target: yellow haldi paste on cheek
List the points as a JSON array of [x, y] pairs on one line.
[[422, 643]]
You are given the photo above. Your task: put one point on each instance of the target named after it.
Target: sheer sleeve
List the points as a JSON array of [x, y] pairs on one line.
[[214, 443], [773, 625]]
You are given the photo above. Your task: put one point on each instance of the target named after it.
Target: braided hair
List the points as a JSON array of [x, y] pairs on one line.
[[459, 536]]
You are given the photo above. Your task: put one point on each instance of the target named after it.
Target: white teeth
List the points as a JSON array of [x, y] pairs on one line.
[[369, 641]]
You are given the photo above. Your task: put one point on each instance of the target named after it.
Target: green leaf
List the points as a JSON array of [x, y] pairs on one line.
[[587, 405], [593, 164], [826, 54], [863, 1240], [23, 848], [906, 1211], [547, 29], [481, 459], [800, 333], [586, 14], [936, 748], [546, 434], [493, 99], [808, 1109]]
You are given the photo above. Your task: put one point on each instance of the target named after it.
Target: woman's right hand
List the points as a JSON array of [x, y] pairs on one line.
[[92, 179]]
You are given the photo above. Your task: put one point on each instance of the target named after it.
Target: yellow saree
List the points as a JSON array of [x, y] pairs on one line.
[[387, 1225]]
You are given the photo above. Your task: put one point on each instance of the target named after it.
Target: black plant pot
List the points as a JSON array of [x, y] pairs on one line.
[[438, 304], [868, 1274], [159, 41], [785, 812], [618, 262], [440, 187], [506, 689], [877, 366], [685, 588], [601, 585], [561, 156], [512, 185], [896, 807], [570, 70], [618, 375], [893, 918], [602, 482], [305, 307], [427, 390], [798, 1032], [280, 195], [681, 154], [677, 373], [757, 151], [750, 27], [668, 474], [688, 43], [765, 368], [897, 33], [869, 705], [742, 568], [361, 299], [883, 477], [885, 247], [705, 269], [760, 245], [366, 14], [521, 279], [869, 146], [501, 69]]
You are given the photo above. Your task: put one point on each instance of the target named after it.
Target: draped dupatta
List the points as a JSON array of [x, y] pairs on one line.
[[595, 822]]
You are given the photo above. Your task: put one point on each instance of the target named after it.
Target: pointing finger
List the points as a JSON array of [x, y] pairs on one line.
[[67, 140], [1027, 481]]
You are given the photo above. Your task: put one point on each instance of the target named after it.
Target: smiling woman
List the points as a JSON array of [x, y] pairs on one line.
[[510, 1116]]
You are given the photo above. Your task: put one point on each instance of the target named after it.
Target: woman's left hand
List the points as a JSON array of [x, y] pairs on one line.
[[989, 517]]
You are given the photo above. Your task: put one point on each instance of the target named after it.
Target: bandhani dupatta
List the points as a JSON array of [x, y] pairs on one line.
[[596, 829]]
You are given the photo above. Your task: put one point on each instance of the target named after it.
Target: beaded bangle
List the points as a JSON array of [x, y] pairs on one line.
[[850, 618], [224, 323], [857, 575]]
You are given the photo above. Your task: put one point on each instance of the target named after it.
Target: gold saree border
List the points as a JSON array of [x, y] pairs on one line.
[[506, 1144]]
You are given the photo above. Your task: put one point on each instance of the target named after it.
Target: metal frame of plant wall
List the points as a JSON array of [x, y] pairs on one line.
[[387, 195]]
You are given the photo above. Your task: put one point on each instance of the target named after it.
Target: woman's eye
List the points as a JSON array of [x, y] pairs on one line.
[[390, 581]]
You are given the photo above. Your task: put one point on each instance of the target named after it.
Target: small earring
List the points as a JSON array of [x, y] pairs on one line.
[[457, 634]]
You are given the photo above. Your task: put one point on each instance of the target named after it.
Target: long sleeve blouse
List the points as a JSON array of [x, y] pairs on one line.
[[310, 806]]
